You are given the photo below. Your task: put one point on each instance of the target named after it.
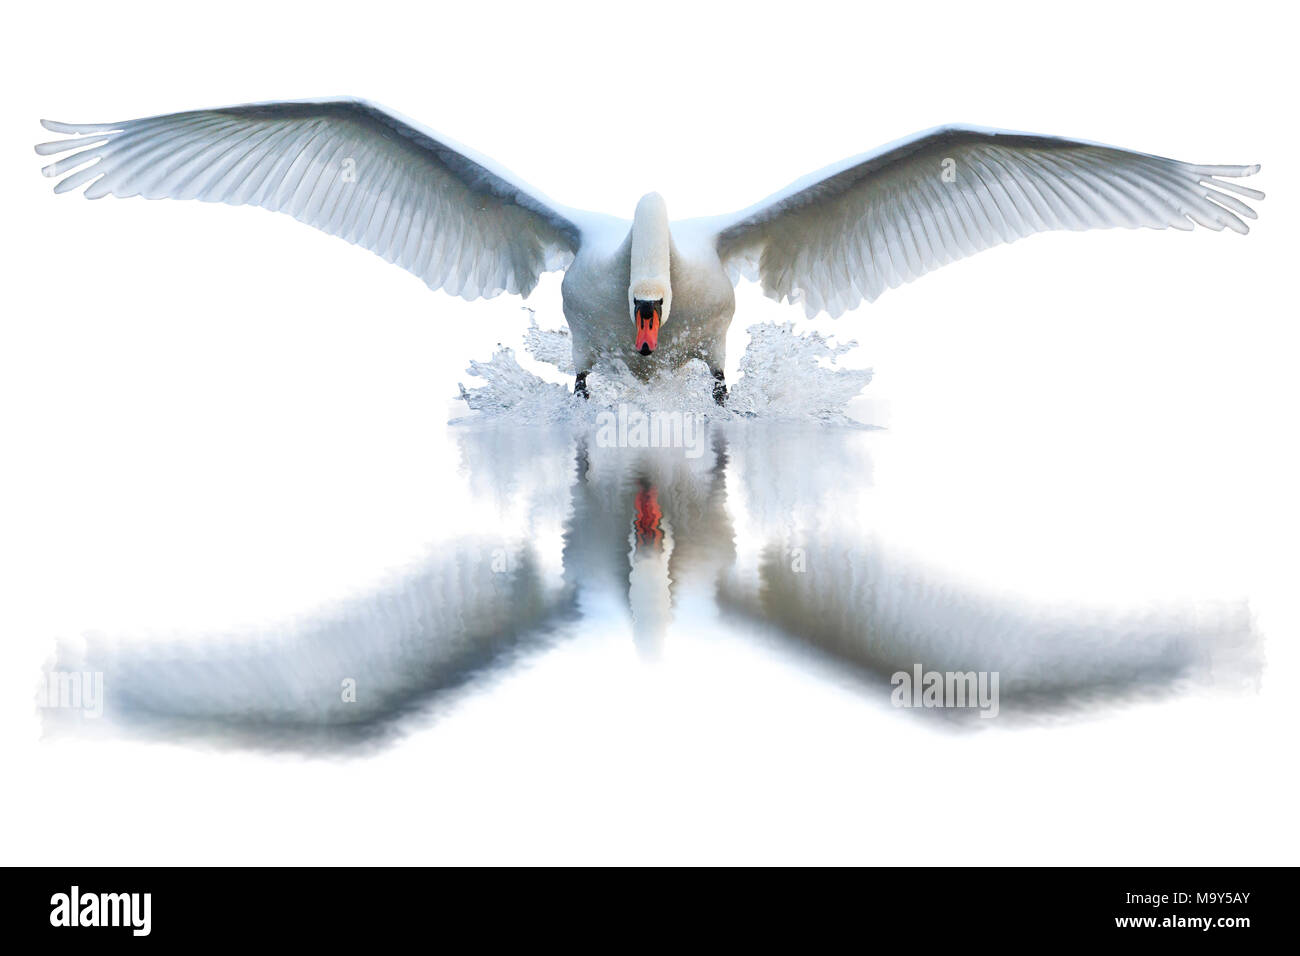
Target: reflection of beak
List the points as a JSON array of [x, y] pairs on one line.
[[648, 518], [647, 327]]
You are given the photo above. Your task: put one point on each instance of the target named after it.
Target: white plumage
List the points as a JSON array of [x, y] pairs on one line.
[[874, 222], [343, 166], [829, 241]]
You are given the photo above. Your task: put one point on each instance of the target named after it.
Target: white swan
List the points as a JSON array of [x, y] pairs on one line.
[[461, 224]]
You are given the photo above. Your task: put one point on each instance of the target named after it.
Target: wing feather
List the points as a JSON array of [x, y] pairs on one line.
[[850, 233], [346, 167]]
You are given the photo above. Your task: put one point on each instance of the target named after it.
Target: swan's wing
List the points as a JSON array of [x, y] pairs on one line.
[[852, 231], [344, 166]]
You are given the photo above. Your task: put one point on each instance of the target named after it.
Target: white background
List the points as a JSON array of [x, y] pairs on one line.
[[215, 417]]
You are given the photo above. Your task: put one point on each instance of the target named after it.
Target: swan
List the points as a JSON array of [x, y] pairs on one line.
[[462, 224]]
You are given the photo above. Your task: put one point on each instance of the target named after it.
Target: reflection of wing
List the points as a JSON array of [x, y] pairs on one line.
[[860, 606], [852, 231], [346, 167], [837, 590], [467, 610]]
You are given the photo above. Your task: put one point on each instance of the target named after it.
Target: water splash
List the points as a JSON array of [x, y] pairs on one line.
[[784, 377], [791, 377]]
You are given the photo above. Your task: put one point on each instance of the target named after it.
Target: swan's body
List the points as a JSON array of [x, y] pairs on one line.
[[830, 241], [697, 294]]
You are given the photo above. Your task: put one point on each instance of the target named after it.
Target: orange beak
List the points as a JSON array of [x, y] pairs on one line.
[[647, 327]]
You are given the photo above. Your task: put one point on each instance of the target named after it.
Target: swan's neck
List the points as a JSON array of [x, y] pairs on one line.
[[650, 251]]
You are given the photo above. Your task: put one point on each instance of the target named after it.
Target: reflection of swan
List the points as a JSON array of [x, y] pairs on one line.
[[646, 524], [473, 605], [851, 599], [845, 594], [651, 533], [342, 676], [837, 237], [649, 583]]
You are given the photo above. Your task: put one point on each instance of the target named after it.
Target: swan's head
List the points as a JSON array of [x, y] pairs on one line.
[[650, 300], [649, 294]]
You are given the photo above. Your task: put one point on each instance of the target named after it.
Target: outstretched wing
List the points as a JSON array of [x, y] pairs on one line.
[[852, 231], [344, 166]]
